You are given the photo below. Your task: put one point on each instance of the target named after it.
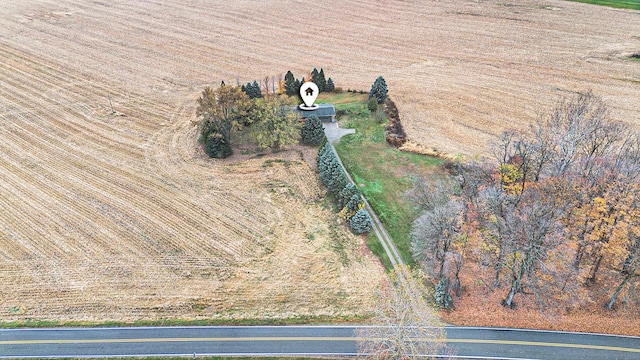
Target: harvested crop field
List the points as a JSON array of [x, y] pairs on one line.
[[121, 216]]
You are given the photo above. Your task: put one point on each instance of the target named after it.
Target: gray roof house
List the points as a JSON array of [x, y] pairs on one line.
[[326, 112]]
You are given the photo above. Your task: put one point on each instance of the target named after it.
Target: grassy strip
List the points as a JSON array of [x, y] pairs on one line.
[[301, 320], [383, 173], [628, 4], [202, 358]]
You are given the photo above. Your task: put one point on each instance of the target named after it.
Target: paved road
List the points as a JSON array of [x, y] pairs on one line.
[[472, 343]]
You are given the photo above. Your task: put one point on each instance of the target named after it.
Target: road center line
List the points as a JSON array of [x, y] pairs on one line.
[[547, 344], [249, 339]]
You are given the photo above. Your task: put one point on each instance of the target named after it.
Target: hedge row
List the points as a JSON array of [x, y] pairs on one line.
[[348, 195]]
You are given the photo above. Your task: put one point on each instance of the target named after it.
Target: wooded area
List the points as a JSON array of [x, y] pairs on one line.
[[552, 217]]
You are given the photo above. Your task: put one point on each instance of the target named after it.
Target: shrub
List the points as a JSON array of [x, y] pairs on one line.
[[338, 89], [361, 222], [312, 131], [372, 105]]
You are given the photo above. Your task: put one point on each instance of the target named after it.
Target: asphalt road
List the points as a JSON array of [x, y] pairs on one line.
[[471, 343]]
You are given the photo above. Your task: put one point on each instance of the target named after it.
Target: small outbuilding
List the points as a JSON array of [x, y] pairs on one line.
[[325, 112]]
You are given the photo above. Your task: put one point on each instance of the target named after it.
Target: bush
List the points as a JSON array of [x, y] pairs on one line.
[[372, 105], [361, 222], [338, 89], [312, 131]]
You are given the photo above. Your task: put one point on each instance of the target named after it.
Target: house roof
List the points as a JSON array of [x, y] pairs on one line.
[[323, 110]]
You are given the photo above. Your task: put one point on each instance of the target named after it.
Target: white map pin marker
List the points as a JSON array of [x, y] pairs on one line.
[[309, 92]]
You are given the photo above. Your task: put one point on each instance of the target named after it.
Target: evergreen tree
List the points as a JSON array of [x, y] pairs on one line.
[[354, 202], [314, 77], [290, 84], [312, 131], [330, 86], [212, 145], [252, 90], [379, 90], [321, 81], [217, 147], [257, 93], [322, 151], [361, 222], [441, 295], [331, 172], [347, 193], [298, 85]]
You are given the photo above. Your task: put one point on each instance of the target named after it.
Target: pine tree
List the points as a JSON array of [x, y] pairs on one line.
[[321, 81], [442, 296], [330, 86], [312, 131], [257, 93], [290, 84], [331, 172], [252, 90], [361, 222], [314, 77], [217, 147], [347, 193], [212, 145], [379, 90], [324, 148], [353, 205]]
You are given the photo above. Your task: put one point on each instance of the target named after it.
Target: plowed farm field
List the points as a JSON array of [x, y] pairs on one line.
[[109, 210]]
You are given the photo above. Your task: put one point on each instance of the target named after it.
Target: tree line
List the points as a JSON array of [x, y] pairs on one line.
[[553, 216], [348, 196]]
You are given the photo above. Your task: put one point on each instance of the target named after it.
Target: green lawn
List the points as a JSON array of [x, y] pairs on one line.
[[383, 173], [627, 4]]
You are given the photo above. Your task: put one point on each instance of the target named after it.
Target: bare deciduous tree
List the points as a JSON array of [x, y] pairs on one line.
[[406, 326], [434, 233]]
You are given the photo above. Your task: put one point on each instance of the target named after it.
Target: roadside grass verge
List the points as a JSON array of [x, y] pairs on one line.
[[200, 358], [621, 4], [383, 174], [301, 320]]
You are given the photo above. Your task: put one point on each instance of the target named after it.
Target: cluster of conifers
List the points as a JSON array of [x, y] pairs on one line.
[[347, 194]]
